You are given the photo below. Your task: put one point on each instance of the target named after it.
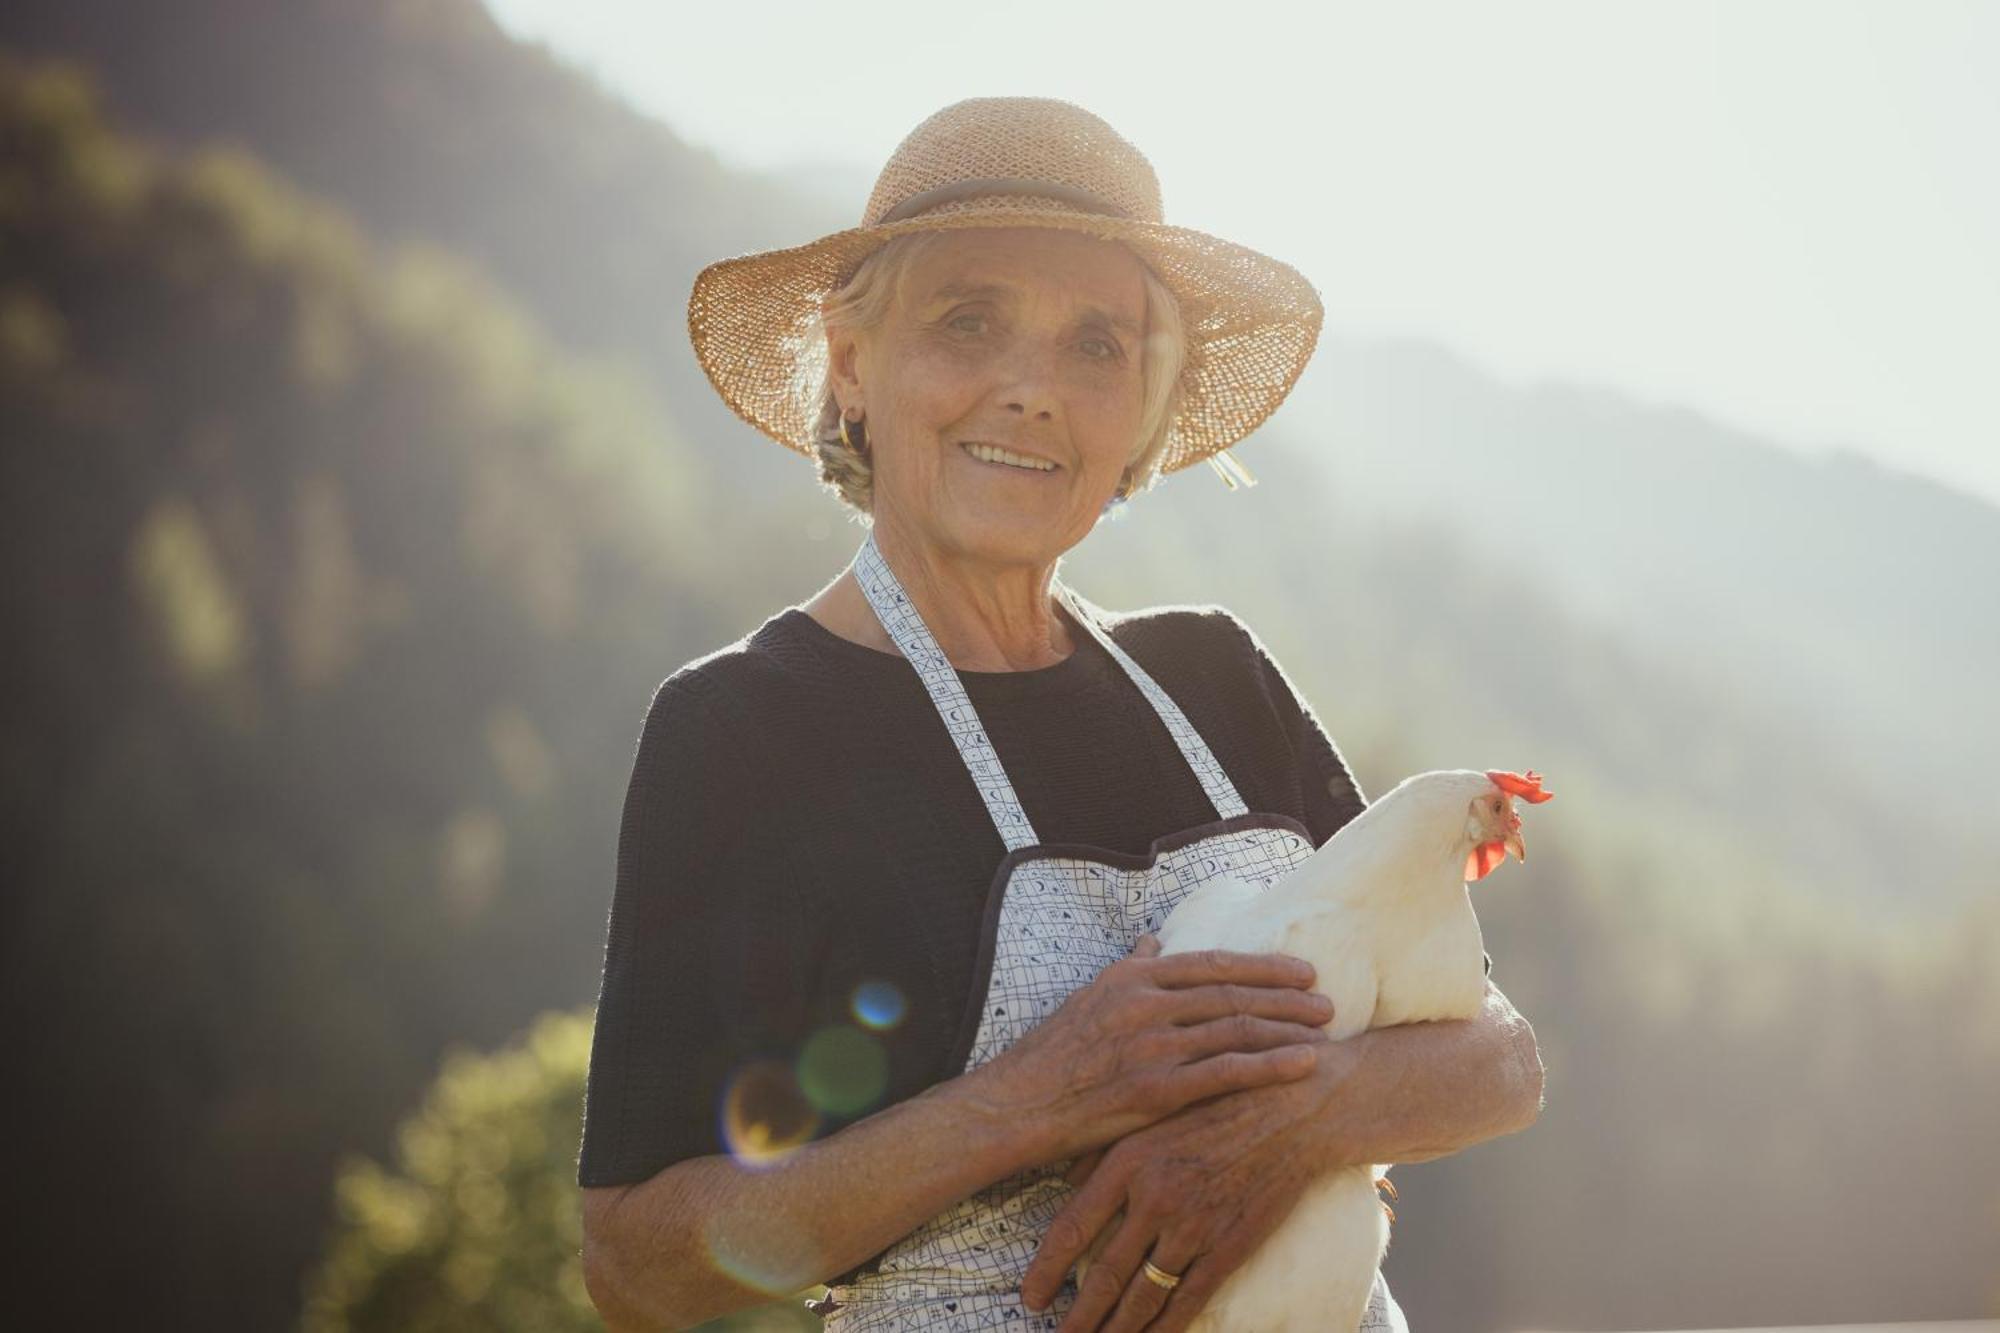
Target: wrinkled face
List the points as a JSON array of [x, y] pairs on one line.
[[1002, 391]]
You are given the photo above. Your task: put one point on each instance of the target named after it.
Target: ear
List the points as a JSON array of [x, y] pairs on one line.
[[843, 368]]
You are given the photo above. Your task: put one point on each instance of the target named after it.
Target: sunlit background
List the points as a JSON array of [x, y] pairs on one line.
[[1779, 214], [360, 487]]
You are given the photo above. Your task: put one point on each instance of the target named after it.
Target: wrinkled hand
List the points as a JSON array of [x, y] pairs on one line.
[[1150, 1035], [1200, 1189]]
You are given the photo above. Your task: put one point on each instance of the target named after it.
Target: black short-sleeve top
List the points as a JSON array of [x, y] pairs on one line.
[[799, 826]]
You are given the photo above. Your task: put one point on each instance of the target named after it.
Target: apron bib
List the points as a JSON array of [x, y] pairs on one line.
[[1056, 916]]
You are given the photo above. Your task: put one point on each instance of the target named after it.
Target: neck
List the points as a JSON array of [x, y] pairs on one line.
[[985, 617]]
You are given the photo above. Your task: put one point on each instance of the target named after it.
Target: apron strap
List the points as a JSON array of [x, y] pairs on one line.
[[900, 618], [903, 624], [1207, 768]]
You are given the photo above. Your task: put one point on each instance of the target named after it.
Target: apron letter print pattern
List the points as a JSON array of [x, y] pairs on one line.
[[1059, 915]]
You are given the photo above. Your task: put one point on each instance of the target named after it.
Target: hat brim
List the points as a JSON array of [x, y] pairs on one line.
[[1251, 321]]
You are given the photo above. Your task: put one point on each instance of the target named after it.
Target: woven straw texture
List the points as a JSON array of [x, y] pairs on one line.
[[1252, 322]]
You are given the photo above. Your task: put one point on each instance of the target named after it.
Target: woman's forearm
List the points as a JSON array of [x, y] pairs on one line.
[[1419, 1091], [1148, 1036], [708, 1236]]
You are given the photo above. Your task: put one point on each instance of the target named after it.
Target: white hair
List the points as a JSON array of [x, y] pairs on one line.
[[863, 303]]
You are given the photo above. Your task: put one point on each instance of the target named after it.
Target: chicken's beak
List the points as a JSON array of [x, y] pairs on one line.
[[1516, 844]]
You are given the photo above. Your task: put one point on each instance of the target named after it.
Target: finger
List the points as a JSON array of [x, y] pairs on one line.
[[1199, 1281], [1201, 967], [1075, 1227], [1199, 1004], [1243, 1033], [1108, 1277], [1232, 1071], [1147, 947], [1144, 1298], [1080, 1171]]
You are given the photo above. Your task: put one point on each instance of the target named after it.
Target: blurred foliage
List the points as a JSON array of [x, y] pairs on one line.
[[340, 575], [313, 549], [477, 1227], [593, 217]]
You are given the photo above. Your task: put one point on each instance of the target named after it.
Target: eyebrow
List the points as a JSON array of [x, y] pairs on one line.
[[958, 291]]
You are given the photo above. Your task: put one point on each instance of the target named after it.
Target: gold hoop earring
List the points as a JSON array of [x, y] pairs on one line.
[[860, 446]]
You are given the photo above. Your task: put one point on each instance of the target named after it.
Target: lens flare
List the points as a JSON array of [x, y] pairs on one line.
[[765, 1114], [764, 1253], [843, 1070], [878, 1005]]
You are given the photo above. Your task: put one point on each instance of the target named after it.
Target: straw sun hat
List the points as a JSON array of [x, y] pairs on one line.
[[1251, 321]]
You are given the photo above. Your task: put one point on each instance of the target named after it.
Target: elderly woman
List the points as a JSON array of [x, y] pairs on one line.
[[881, 1006]]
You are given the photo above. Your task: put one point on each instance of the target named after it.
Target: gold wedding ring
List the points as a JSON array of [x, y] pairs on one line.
[[1159, 1277]]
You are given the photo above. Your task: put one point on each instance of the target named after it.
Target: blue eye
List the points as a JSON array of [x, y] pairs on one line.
[[977, 323], [1104, 349]]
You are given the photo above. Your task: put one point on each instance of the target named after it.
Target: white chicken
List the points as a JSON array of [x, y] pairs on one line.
[[1382, 913]]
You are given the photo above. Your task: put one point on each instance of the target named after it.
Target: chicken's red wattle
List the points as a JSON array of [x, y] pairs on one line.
[[1480, 862]]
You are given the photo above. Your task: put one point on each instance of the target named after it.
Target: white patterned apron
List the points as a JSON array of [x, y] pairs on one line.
[[1056, 916]]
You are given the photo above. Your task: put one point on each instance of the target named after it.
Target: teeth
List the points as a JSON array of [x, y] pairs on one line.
[[990, 454]]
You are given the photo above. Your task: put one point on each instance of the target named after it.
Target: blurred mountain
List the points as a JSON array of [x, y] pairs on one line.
[[1844, 597], [428, 122]]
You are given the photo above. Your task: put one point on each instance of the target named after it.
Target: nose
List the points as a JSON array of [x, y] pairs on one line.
[[1031, 385]]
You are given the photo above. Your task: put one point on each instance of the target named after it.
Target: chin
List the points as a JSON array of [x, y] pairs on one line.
[[1013, 537]]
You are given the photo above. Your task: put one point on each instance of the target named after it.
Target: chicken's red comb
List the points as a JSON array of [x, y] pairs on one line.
[[1527, 786]]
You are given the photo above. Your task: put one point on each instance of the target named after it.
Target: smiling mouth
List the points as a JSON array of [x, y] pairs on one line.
[[994, 454]]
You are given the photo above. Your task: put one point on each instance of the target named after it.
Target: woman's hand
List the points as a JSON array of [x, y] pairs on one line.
[[1151, 1035], [1200, 1191]]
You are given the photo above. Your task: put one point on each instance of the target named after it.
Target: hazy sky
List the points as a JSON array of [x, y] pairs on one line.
[[1785, 214]]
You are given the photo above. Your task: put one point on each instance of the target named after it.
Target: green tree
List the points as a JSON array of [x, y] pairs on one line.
[[477, 1224]]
